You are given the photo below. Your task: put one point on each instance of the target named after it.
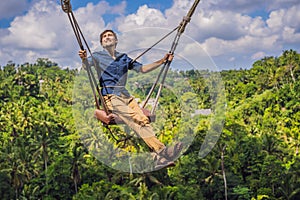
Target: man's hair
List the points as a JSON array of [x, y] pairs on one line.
[[107, 30]]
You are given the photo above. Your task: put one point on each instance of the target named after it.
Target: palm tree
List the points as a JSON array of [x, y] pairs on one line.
[[290, 60]]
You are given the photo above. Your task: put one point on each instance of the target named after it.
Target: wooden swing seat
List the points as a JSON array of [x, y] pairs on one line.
[[101, 115]]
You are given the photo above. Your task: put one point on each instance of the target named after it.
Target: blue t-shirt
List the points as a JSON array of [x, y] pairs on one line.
[[113, 73]]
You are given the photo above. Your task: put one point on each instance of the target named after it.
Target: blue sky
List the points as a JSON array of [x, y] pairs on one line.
[[233, 34]]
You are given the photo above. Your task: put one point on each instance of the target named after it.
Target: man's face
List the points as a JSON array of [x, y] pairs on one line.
[[108, 40]]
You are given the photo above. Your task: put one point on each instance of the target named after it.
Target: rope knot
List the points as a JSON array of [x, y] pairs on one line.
[[66, 6], [186, 19]]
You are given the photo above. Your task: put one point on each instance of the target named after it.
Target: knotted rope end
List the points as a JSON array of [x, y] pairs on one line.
[[66, 6]]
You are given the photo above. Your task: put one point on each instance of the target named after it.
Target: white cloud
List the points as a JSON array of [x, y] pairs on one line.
[[225, 25], [227, 30], [144, 17], [231, 59], [282, 22], [275, 21], [44, 31], [240, 6], [281, 4], [35, 33], [37, 29], [243, 45], [258, 28], [285, 17], [227, 33], [258, 55], [290, 36]]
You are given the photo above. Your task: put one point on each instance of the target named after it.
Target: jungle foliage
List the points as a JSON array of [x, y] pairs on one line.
[[256, 156]]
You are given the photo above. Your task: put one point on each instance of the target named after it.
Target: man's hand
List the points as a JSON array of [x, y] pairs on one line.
[[168, 57], [149, 67], [82, 54], [102, 116]]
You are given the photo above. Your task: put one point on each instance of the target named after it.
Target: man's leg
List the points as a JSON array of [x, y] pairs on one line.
[[130, 113]]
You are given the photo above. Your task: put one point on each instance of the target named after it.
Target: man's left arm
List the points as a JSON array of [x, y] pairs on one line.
[[156, 64]]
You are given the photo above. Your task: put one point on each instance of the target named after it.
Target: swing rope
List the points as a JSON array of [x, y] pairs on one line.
[[164, 37], [66, 7], [164, 70]]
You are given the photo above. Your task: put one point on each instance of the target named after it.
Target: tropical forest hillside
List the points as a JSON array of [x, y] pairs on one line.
[[256, 156]]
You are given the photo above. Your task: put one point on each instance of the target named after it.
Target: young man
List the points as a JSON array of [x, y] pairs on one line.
[[113, 77]]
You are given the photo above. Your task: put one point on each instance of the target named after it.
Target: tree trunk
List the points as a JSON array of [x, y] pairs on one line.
[[223, 171], [291, 72]]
